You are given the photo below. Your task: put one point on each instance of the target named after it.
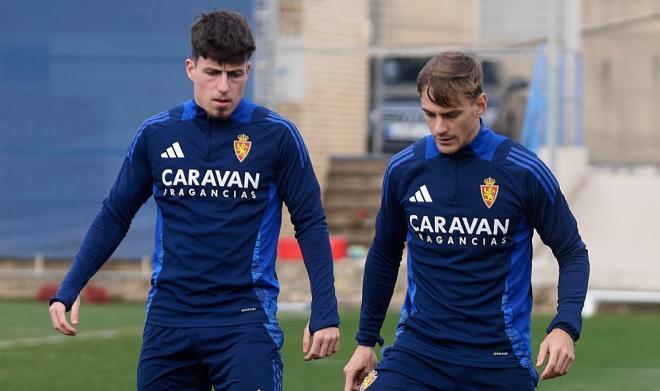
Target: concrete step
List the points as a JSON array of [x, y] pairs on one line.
[[355, 235], [358, 165], [353, 196], [352, 200], [354, 181], [352, 217]]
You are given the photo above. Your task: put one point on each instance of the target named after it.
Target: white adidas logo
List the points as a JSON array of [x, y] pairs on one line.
[[421, 195], [173, 152]]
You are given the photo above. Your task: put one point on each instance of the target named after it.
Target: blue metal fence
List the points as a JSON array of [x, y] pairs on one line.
[[76, 80]]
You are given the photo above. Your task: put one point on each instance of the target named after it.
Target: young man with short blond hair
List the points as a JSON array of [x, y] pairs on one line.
[[466, 200]]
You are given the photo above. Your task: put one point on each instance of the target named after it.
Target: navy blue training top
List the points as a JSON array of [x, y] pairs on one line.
[[468, 219], [219, 187]]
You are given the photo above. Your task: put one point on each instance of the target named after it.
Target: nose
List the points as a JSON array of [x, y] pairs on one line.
[[223, 83], [439, 127]]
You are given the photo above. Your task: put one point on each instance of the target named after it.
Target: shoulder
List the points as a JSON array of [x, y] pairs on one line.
[[274, 122], [154, 124], [528, 165], [283, 131], [164, 119]]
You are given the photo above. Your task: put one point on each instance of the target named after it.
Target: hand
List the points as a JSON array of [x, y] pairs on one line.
[[559, 345], [58, 317], [324, 343], [362, 362]]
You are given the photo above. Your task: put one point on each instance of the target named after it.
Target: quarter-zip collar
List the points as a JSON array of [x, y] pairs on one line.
[[242, 113], [466, 152]]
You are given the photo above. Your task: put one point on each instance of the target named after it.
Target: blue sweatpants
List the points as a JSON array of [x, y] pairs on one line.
[[229, 358], [405, 371]]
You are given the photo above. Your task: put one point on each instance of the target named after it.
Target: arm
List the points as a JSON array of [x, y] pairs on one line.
[[380, 275], [298, 187], [131, 189], [551, 217]]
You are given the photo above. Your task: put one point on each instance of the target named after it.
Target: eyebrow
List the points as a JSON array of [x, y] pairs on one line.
[[214, 69], [453, 111]]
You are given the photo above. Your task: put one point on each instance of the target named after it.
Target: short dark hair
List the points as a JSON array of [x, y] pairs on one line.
[[223, 36], [450, 74]]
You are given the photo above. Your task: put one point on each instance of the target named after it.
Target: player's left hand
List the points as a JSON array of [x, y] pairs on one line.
[[561, 350], [323, 343]]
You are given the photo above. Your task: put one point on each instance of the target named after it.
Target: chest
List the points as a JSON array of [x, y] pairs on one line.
[[462, 204], [211, 162]]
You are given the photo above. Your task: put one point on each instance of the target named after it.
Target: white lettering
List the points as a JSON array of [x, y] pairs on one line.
[[179, 178], [208, 178], [166, 181], [469, 228], [484, 227], [193, 175], [439, 224], [235, 180], [222, 179], [501, 228], [254, 181], [414, 218], [426, 225], [456, 226]]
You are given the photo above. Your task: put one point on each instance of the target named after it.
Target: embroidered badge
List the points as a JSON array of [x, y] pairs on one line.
[[489, 191], [242, 147]]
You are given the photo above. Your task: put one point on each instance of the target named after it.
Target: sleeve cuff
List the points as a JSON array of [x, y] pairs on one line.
[[369, 340], [575, 335], [56, 300]]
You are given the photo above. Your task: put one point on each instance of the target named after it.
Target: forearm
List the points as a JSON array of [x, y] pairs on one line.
[[572, 290], [315, 247], [101, 240], [380, 273]]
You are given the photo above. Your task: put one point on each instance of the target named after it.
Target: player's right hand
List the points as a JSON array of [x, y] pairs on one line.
[[362, 362], [58, 317]]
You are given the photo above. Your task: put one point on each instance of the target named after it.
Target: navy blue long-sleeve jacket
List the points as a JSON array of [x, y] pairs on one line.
[[468, 219], [219, 187]]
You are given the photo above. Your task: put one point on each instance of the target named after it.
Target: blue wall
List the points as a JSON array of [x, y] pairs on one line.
[[77, 78]]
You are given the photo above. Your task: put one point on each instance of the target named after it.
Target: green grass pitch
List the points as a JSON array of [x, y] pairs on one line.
[[617, 352]]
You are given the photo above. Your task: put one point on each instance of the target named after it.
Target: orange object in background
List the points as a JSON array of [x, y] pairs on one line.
[[46, 291], [91, 294], [289, 250]]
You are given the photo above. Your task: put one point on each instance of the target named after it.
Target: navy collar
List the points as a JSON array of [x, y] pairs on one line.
[[242, 113], [466, 151]]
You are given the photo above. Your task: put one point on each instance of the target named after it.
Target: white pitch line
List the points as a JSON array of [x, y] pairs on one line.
[[51, 339]]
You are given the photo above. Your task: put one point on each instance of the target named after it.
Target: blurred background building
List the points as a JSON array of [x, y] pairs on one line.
[[574, 80]]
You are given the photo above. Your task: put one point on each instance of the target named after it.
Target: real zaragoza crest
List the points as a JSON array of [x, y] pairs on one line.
[[242, 147], [371, 377], [489, 191]]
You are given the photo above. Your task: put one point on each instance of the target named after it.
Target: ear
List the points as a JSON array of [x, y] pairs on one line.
[[481, 104], [190, 67], [247, 70]]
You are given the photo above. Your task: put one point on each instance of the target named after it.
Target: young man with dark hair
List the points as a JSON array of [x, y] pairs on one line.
[[466, 200], [218, 167]]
